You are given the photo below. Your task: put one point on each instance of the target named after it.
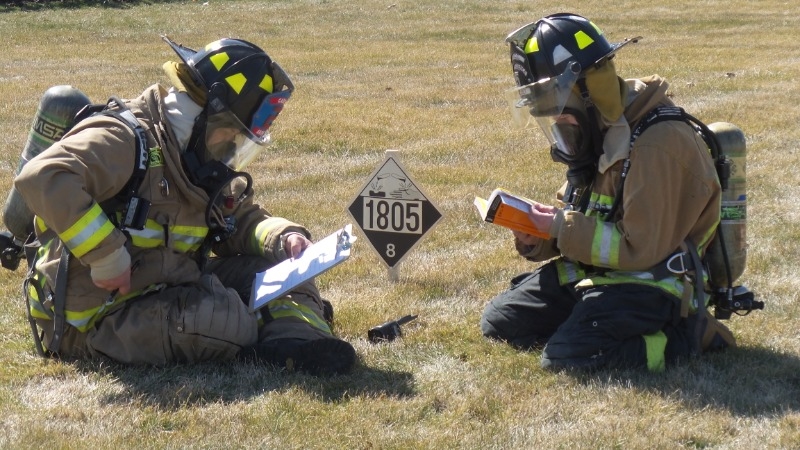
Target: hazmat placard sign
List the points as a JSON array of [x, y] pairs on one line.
[[392, 211]]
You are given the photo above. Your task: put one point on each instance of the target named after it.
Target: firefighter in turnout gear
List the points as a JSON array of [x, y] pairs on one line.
[[616, 287], [161, 273]]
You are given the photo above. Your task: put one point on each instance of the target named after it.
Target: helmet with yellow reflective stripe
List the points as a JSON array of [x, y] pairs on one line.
[[244, 92], [552, 45], [565, 83]]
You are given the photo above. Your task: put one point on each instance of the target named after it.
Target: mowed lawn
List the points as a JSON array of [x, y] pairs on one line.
[[425, 78]]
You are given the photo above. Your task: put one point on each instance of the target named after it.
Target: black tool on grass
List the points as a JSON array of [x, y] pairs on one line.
[[389, 330]]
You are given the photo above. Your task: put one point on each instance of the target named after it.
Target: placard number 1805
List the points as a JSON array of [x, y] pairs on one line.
[[399, 216]]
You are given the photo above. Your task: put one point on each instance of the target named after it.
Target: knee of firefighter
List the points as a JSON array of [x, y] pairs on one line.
[[209, 314], [293, 316], [495, 323]]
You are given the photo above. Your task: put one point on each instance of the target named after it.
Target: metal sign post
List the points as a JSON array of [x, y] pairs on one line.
[[393, 212]]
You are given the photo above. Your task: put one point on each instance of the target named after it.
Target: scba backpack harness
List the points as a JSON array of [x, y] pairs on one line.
[[133, 215], [725, 297]]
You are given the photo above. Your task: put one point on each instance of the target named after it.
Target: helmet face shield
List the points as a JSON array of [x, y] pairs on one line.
[[234, 143], [542, 100], [552, 104], [228, 140], [244, 93]]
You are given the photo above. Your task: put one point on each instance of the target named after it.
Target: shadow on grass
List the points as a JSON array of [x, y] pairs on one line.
[[747, 381], [182, 386]]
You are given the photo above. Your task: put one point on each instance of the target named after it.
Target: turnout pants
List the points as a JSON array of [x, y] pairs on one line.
[[622, 325], [202, 321]]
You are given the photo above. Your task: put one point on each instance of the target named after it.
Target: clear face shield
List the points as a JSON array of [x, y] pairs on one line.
[[236, 144], [544, 102]]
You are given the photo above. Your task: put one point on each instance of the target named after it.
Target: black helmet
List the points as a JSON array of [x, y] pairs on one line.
[[245, 91], [555, 43], [551, 59]]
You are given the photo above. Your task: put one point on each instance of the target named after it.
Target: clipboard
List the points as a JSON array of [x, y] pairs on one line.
[[316, 259]]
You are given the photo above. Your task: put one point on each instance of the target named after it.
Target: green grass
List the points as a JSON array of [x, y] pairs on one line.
[[426, 78]]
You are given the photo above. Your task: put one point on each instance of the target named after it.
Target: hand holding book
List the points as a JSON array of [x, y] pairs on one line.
[[511, 211]]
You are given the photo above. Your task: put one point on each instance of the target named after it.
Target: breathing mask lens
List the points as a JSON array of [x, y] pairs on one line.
[[569, 135], [230, 142], [565, 134]]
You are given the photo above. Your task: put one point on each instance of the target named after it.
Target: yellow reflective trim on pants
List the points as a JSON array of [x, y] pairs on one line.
[[286, 307], [88, 231], [655, 344], [568, 272]]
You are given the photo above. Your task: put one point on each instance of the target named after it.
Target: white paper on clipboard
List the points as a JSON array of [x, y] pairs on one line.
[[316, 259]]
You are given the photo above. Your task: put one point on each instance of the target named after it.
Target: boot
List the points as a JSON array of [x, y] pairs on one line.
[[709, 334], [318, 357]]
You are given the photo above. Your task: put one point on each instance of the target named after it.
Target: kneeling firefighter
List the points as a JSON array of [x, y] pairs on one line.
[[129, 206], [623, 279]]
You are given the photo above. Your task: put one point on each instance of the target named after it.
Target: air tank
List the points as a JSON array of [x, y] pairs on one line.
[[733, 215], [54, 117]]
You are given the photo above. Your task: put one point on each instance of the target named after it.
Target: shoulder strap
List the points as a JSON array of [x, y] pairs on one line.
[[123, 114], [119, 110], [135, 208], [656, 115]]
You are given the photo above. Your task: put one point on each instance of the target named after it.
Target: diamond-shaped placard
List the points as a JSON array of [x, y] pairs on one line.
[[392, 211]]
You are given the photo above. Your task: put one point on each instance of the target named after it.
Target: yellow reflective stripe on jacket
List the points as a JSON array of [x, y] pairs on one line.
[[597, 204], [88, 231], [183, 238], [286, 307], [81, 320], [84, 320], [37, 310], [261, 233], [151, 236], [605, 245], [706, 239], [41, 227], [672, 284], [186, 238]]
